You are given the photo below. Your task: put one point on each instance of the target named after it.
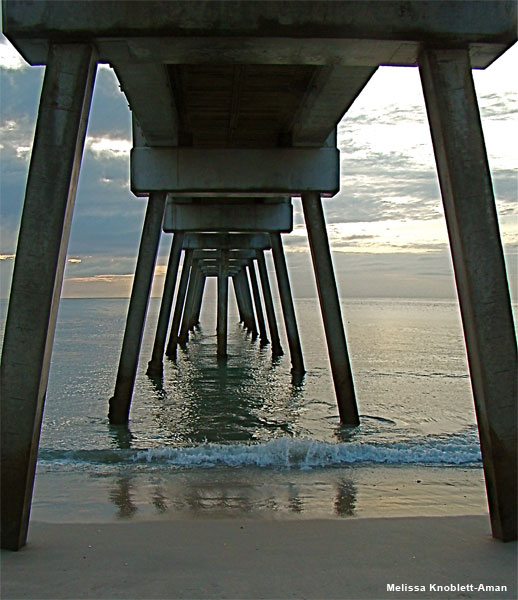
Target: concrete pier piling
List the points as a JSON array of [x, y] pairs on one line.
[[199, 299], [156, 365], [239, 299], [38, 275], [250, 322], [288, 309], [257, 303], [268, 304], [179, 304], [120, 402], [330, 307], [222, 325], [183, 336], [480, 275]]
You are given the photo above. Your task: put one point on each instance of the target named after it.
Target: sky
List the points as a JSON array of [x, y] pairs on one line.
[[386, 225]]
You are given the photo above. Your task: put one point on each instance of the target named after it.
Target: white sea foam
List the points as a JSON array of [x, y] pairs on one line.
[[287, 453]]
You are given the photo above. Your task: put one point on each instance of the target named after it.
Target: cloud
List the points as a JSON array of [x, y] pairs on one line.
[[386, 224], [9, 57]]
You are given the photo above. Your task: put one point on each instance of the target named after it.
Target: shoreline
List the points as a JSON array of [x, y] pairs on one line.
[[242, 558], [151, 494]]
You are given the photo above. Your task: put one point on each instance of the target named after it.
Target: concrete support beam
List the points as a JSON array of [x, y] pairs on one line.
[[239, 299], [183, 336], [213, 255], [290, 320], [156, 365], [332, 91], [228, 241], [199, 277], [261, 172], [257, 303], [222, 319], [330, 307], [120, 402], [229, 217], [268, 304], [352, 52], [479, 272], [278, 32], [38, 275], [158, 121], [250, 324], [214, 271], [199, 299], [179, 304]]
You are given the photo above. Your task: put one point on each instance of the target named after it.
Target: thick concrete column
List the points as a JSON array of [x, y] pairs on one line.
[[479, 272], [222, 320], [268, 304], [330, 307], [183, 336], [239, 299], [156, 365], [247, 298], [179, 305], [121, 401], [257, 303], [38, 275], [290, 320], [199, 299]]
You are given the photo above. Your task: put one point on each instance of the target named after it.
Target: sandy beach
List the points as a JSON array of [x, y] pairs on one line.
[[239, 558]]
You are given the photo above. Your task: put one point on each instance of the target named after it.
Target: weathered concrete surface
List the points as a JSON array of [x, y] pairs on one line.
[[290, 319], [330, 307], [228, 241], [250, 322], [269, 171], [199, 299], [257, 302], [38, 275], [120, 402], [222, 317], [268, 305], [179, 304], [387, 36], [183, 336], [480, 275]]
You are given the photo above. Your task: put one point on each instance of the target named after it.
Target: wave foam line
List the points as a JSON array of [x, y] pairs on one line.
[[285, 453]]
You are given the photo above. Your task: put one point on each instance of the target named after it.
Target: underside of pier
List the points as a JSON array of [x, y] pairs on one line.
[[235, 106]]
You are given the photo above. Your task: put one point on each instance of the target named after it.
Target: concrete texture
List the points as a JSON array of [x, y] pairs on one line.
[[480, 276], [120, 402], [38, 274]]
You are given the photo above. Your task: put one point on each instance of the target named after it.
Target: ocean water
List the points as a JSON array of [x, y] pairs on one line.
[[241, 435]]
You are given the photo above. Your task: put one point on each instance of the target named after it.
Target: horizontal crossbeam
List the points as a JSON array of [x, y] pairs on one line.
[[261, 172]]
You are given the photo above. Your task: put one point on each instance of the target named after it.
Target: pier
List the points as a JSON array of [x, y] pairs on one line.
[[235, 107]]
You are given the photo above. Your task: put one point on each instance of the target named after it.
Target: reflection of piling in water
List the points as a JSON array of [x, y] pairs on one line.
[[239, 177]]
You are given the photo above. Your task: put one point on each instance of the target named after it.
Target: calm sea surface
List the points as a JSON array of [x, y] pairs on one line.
[[245, 418]]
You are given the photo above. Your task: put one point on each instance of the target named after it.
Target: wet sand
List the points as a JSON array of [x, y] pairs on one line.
[[66, 496], [243, 558]]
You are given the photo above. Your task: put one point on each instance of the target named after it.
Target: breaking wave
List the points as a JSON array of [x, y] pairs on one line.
[[284, 453]]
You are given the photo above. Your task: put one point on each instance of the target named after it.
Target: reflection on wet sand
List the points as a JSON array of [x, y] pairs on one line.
[[122, 496], [227, 498], [245, 399]]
